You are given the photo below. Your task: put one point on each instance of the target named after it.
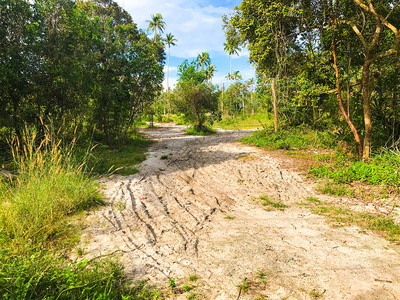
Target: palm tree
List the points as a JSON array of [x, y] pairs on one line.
[[231, 49], [236, 75], [169, 40], [156, 23], [203, 60], [210, 72]]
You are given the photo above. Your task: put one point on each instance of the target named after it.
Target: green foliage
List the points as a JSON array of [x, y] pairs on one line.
[[244, 122], [172, 283], [50, 186], [382, 169], [330, 188], [91, 66], [194, 101], [120, 157], [204, 131], [292, 138], [39, 210], [43, 275], [267, 202]]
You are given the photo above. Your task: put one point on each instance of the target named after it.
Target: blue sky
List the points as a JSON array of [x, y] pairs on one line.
[[197, 27]]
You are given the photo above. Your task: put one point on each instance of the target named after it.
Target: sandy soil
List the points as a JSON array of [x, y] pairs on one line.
[[169, 221]]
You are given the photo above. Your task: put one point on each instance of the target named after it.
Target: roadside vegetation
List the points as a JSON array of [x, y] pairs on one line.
[[340, 216], [40, 219]]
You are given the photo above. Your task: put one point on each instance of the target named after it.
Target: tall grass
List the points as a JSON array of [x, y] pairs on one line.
[[37, 208], [49, 186]]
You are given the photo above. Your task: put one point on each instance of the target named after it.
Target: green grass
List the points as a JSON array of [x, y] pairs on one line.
[[244, 122], [383, 168], [272, 204], [330, 188], [344, 216], [291, 139], [120, 158], [204, 132], [39, 224]]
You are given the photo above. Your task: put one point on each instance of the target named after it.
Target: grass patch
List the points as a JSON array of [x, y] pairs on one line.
[[164, 157], [298, 138], [120, 158], [203, 132], [272, 204], [39, 210], [229, 217], [344, 216], [381, 169], [330, 188], [243, 122]]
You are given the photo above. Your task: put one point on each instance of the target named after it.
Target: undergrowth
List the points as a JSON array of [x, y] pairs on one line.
[[344, 216], [201, 132], [381, 169], [243, 122], [39, 205], [121, 157], [300, 137]]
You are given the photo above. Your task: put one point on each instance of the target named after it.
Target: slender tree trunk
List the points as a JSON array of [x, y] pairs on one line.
[[168, 107], [252, 105], [230, 69], [222, 102], [341, 107], [273, 88], [366, 95]]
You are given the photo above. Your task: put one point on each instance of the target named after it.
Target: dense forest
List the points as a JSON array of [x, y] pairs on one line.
[[82, 64]]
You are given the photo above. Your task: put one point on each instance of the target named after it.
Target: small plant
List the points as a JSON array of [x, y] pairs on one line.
[[192, 296], [267, 202], [187, 288], [240, 180], [330, 188], [193, 277], [229, 217], [80, 251], [316, 294], [244, 285], [261, 274], [172, 283], [164, 157]]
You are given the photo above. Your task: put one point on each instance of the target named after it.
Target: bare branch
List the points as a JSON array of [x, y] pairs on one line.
[[357, 31]]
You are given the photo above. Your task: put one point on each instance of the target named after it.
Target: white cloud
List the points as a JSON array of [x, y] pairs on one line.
[[196, 28]]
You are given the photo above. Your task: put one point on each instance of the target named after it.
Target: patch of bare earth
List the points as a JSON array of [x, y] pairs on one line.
[[170, 221]]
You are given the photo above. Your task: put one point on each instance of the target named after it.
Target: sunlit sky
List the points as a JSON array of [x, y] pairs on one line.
[[197, 26]]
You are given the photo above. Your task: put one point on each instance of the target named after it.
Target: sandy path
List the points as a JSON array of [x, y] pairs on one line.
[[168, 221]]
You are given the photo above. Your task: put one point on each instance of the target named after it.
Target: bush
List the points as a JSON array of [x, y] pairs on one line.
[[382, 169], [293, 138]]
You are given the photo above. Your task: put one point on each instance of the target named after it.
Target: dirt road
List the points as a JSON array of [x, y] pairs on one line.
[[193, 209]]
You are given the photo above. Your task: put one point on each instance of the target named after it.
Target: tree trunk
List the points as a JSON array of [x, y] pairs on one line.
[[367, 108], [341, 107], [273, 88], [168, 107]]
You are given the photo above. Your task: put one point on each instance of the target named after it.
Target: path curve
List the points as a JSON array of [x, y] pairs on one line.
[[170, 221]]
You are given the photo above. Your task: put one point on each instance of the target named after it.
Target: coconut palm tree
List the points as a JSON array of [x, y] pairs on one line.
[[203, 60], [156, 23], [210, 72], [236, 75], [231, 50], [169, 40]]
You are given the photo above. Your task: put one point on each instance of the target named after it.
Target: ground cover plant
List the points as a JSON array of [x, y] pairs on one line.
[[301, 137], [344, 216], [243, 122], [120, 157], [204, 131], [39, 222]]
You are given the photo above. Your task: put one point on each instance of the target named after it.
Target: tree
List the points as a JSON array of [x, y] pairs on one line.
[[203, 60], [210, 72], [232, 45], [380, 39], [193, 96], [156, 23], [169, 40]]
